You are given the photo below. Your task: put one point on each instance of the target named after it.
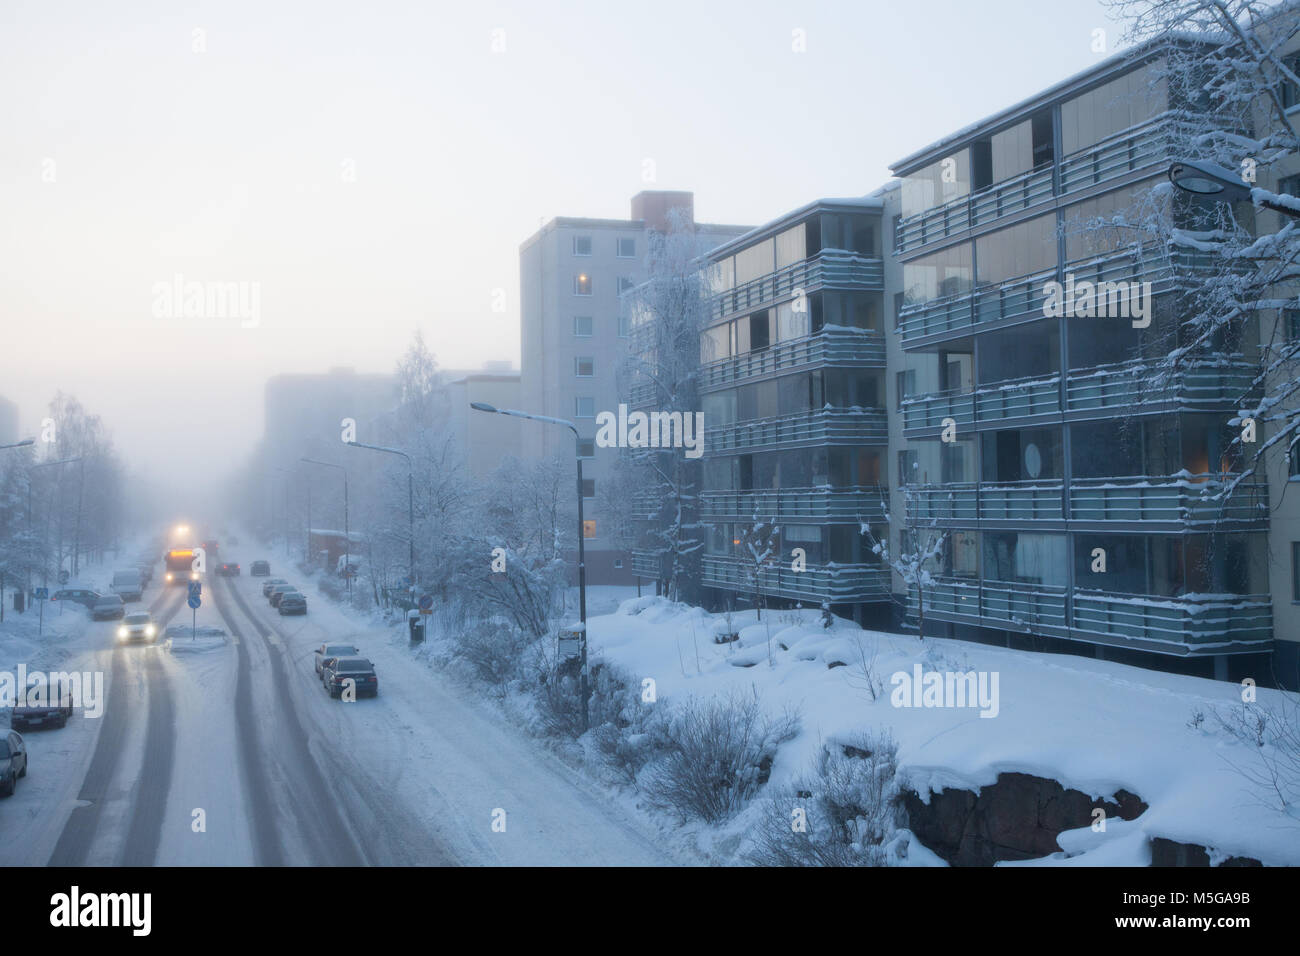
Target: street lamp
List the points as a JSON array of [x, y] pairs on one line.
[[410, 504], [19, 444], [30, 469], [582, 551], [1220, 184], [347, 535]]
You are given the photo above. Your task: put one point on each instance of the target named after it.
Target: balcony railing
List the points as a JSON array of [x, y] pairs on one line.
[[1002, 401], [826, 426], [822, 504], [997, 603], [1134, 385], [1152, 145], [830, 348], [990, 501], [840, 270], [835, 583], [1199, 623], [1184, 498]]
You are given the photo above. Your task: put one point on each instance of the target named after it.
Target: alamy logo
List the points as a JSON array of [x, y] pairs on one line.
[[946, 689], [179, 299], [102, 909], [81, 690], [1098, 300], [651, 430]]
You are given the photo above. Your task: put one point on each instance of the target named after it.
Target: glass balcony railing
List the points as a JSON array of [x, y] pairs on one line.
[[845, 271], [830, 348], [1138, 386], [1019, 605], [822, 503], [1183, 498], [989, 501], [835, 583], [825, 426], [1002, 401]]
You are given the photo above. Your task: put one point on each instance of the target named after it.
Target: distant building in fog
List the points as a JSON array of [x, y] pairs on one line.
[[8, 421], [306, 409]]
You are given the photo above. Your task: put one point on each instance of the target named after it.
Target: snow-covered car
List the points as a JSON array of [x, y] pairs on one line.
[[270, 584], [127, 584], [13, 761], [330, 651], [41, 715], [279, 591], [259, 569], [357, 669], [109, 607], [293, 602], [137, 626], [228, 569], [86, 597]]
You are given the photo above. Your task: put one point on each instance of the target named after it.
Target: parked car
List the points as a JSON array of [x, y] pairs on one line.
[[259, 569], [270, 584], [127, 584], [86, 597], [109, 607], [293, 602], [43, 715], [137, 626], [329, 651], [228, 569], [13, 761], [279, 591], [358, 669]]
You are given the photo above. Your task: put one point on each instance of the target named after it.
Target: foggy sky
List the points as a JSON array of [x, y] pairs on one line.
[[371, 168]]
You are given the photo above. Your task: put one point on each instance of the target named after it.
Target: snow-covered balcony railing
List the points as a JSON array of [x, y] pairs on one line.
[[1190, 624], [998, 402], [647, 564], [822, 503], [1039, 500], [828, 269], [1148, 145], [823, 426], [1136, 387], [833, 347], [1182, 498], [994, 603], [836, 583]]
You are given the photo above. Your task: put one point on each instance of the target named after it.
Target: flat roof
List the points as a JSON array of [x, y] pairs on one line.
[[869, 203]]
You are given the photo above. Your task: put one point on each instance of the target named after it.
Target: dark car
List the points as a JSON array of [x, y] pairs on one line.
[[86, 597], [13, 761], [44, 715], [328, 652], [357, 669], [270, 584], [279, 591], [228, 569], [109, 607], [259, 569], [292, 602]]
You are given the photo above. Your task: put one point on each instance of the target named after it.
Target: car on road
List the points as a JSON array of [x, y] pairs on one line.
[[228, 569], [259, 569], [357, 669], [330, 651], [127, 584], [13, 761], [279, 591], [109, 607], [137, 626], [146, 573], [293, 602], [86, 597], [42, 715], [270, 584]]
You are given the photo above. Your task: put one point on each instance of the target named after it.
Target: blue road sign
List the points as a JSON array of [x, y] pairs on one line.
[[42, 594], [426, 602], [196, 588], [194, 601]]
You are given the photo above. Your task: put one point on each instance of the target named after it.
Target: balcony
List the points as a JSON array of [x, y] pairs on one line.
[[990, 406], [831, 348], [993, 604], [1136, 386], [1151, 146], [822, 504], [845, 271], [1182, 499], [825, 426], [968, 502], [834, 583]]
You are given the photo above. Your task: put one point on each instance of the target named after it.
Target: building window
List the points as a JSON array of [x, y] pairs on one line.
[[623, 324], [1291, 95], [1291, 324], [897, 232], [584, 407], [582, 326], [586, 448], [625, 283], [589, 487], [1293, 463], [589, 528], [898, 308], [582, 284], [618, 564], [1295, 571], [906, 383], [582, 245], [908, 473], [626, 249], [584, 366]]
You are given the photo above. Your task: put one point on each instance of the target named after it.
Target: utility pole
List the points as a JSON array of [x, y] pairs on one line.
[[410, 503]]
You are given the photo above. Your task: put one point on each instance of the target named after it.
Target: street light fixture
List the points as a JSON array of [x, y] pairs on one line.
[[347, 534], [1211, 181], [582, 551], [20, 444], [410, 504]]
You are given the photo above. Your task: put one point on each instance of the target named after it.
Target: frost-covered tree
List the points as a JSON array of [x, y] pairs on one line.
[[759, 545], [920, 551]]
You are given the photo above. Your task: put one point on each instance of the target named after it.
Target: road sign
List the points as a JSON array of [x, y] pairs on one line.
[[63, 575], [196, 588], [42, 594], [194, 601], [426, 602]]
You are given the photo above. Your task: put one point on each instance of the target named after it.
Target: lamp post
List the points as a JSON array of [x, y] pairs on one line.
[[410, 504], [30, 469], [19, 444], [347, 534], [1219, 184], [582, 551]]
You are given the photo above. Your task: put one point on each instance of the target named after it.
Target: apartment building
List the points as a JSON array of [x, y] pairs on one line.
[[1076, 484], [573, 332]]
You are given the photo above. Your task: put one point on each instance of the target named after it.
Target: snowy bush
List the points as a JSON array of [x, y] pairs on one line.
[[716, 754], [846, 812], [492, 648]]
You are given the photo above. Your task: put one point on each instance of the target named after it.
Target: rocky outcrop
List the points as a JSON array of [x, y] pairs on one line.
[[1171, 853]]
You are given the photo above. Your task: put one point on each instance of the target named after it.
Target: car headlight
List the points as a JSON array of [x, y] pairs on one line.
[[121, 632], [150, 630], [169, 575]]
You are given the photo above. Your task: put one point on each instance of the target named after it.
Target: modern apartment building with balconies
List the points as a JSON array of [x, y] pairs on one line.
[[1077, 480]]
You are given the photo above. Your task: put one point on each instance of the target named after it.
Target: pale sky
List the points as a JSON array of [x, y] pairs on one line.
[[373, 167]]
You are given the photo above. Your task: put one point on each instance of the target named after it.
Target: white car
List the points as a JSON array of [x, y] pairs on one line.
[[137, 626]]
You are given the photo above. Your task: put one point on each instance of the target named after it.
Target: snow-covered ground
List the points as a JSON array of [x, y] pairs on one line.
[[1094, 726]]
